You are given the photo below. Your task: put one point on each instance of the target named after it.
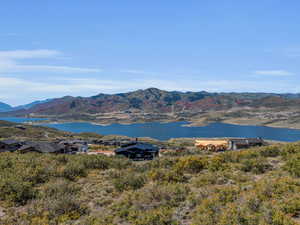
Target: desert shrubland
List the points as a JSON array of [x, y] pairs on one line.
[[248, 187]]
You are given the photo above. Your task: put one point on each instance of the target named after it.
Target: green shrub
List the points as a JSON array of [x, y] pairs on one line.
[[159, 216], [270, 151], [63, 159], [168, 195], [73, 170], [190, 164], [226, 194], [238, 156], [58, 202], [293, 165], [132, 204], [162, 162], [217, 163], [96, 162], [291, 206], [207, 213], [276, 188], [120, 162], [167, 175], [290, 149], [277, 217], [210, 178], [234, 214], [60, 198], [257, 166], [58, 188], [15, 190], [129, 181]]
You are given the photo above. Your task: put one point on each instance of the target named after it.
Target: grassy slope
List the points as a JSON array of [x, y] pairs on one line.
[[9, 130], [249, 187]]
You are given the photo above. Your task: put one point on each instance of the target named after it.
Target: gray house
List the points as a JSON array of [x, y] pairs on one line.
[[10, 145], [241, 143], [40, 147], [63, 147]]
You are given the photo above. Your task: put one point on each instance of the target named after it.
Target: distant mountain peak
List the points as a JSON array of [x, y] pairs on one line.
[[5, 107]]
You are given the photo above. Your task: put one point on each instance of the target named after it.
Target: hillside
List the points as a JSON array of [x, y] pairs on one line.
[[7, 108], [30, 105], [282, 110], [251, 187], [158, 101], [17, 131]]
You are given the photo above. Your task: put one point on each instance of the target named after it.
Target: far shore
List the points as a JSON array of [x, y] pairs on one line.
[[198, 123]]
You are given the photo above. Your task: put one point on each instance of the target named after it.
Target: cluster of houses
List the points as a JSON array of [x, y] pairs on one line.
[[64, 147], [131, 149]]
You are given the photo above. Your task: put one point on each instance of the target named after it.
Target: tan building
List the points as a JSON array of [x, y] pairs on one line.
[[222, 144]]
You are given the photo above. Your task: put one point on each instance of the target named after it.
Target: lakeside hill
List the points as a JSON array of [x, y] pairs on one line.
[[155, 100], [17, 131], [200, 108]]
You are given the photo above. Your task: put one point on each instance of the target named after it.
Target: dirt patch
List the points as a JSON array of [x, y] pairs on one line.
[[2, 213]]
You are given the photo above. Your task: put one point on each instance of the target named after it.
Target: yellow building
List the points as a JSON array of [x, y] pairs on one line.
[[221, 144], [212, 144]]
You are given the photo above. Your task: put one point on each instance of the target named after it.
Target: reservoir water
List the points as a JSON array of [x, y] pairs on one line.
[[165, 131]]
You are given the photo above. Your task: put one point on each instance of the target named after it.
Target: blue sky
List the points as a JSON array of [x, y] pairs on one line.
[[53, 48]]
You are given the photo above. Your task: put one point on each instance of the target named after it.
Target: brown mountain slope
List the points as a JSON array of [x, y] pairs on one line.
[[153, 100]]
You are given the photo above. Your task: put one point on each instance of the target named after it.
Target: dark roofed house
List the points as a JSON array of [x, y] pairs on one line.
[[10, 145], [138, 151], [241, 143], [20, 127], [41, 147], [67, 147], [74, 146]]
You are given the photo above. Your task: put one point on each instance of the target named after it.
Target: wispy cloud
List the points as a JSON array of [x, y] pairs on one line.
[[292, 52], [273, 72], [9, 35], [133, 71], [9, 62], [138, 72], [29, 54]]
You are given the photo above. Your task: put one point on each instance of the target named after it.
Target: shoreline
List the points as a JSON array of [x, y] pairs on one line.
[[202, 123]]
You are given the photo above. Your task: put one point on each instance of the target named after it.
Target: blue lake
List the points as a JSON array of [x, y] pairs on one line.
[[21, 119], [164, 131]]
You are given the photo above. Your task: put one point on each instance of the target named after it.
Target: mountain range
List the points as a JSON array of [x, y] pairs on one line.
[[153, 100], [8, 108]]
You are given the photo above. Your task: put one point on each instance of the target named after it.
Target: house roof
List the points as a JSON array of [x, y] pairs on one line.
[[206, 142], [141, 146], [72, 142], [10, 142], [247, 141], [43, 147]]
